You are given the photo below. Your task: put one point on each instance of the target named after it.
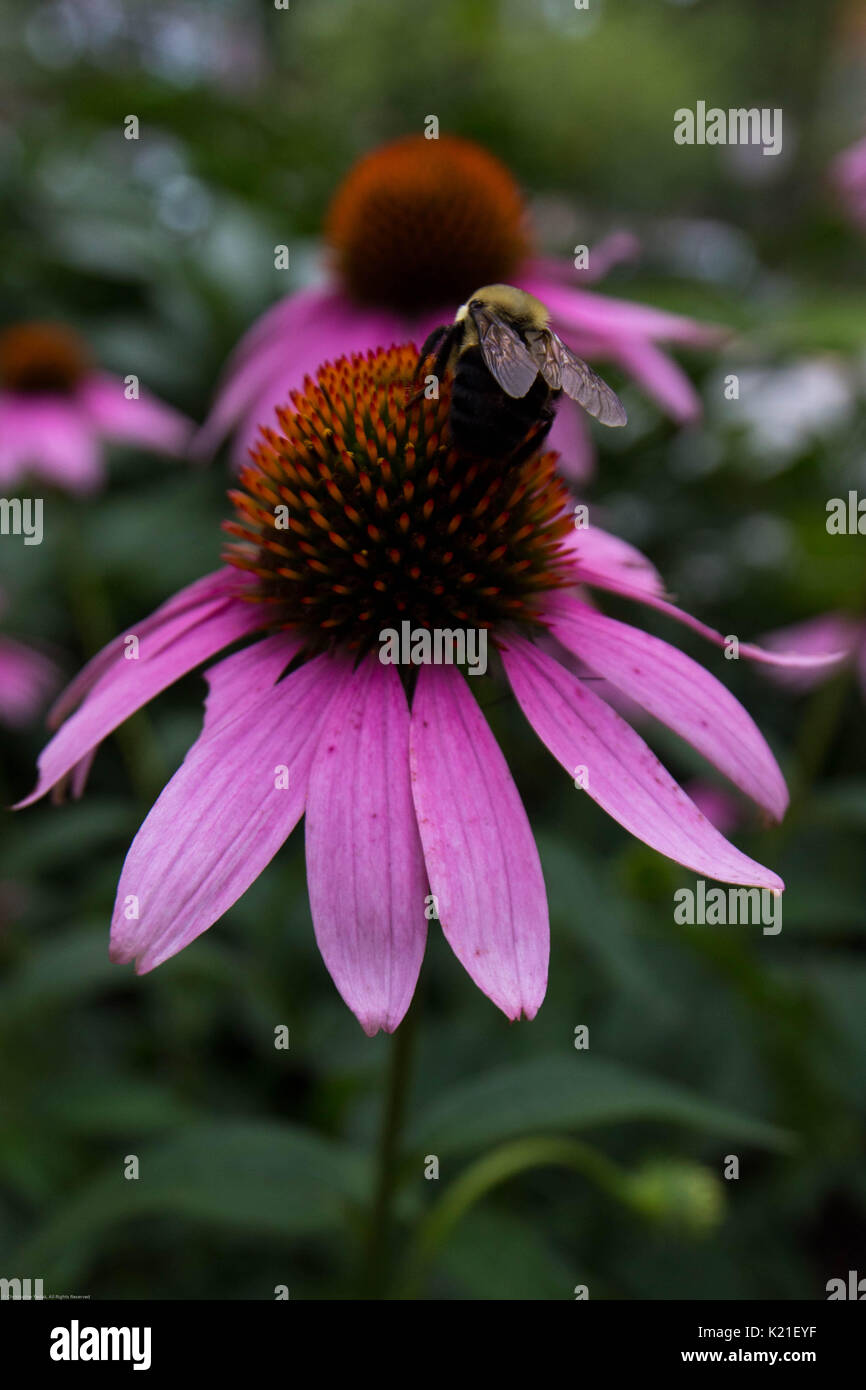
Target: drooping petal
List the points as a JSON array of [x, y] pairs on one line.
[[621, 773], [480, 853], [830, 632], [365, 867], [661, 378], [635, 587], [129, 684], [220, 820], [143, 420], [159, 629], [677, 691], [597, 555]]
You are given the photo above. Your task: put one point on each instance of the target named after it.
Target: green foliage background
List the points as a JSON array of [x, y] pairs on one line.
[[257, 1165]]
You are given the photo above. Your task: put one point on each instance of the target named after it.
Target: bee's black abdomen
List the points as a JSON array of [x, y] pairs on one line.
[[486, 421]]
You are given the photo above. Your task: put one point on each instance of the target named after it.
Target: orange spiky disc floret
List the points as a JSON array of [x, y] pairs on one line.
[[41, 357], [361, 514], [421, 223]]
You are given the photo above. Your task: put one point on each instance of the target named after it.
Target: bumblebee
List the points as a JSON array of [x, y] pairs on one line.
[[509, 370]]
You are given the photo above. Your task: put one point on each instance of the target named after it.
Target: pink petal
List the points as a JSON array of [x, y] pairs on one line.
[[159, 629], [26, 678], [237, 683], [256, 355], [621, 319], [860, 665], [129, 684], [481, 858], [365, 866], [636, 588], [145, 421], [660, 377], [622, 774], [604, 255], [600, 557], [266, 367], [338, 336], [571, 438], [678, 692], [830, 633], [221, 818], [50, 437], [718, 805]]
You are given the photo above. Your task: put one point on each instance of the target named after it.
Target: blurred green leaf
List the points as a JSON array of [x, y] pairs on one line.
[[494, 1255], [563, 1094], [253, 1177], [67, 967]]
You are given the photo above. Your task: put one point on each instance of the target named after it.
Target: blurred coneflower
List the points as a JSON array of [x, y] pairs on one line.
[[27, 679], [355, 515], [415, 227], [57, 408], [848, 176]]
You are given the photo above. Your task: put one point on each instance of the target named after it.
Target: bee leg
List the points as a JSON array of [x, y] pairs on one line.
[[439, 341]]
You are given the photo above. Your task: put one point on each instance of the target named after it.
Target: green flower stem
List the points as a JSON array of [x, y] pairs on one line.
[[393, 1110], [497, 1167]]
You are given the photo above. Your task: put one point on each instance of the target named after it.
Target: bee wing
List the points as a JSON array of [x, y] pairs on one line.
[[505, 355], [561, 368]]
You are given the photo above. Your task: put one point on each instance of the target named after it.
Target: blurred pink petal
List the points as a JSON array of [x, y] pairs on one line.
[[144, 420], [571, 438], [848, 174], [718, 805], [611, 251], [26, 680], [835, 634], [585, 311], [660, 378], [50, 438]]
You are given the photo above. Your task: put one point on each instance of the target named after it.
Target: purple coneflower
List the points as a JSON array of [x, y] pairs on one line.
[[56, 408], [416, 226], [356, 516]]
